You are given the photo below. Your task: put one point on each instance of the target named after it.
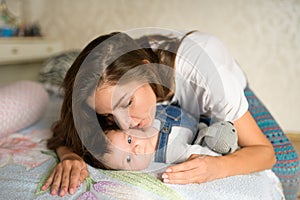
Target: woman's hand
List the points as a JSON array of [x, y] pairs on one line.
[[197, 169], [67, 175], [256, 154]]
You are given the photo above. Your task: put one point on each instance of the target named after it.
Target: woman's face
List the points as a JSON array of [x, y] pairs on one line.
[[131, 105]]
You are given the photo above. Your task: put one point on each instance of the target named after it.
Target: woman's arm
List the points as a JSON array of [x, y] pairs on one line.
[[256, 154], [68, 174]]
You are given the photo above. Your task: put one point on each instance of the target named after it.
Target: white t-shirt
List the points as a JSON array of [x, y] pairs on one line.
[[208, 81]]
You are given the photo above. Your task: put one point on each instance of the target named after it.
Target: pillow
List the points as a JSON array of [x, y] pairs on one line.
[[21, 104], [54, 71]]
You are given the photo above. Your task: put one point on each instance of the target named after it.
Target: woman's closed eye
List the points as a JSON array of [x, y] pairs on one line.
[[127, 104]]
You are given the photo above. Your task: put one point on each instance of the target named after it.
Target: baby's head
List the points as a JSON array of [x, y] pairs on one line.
[[131, 149]]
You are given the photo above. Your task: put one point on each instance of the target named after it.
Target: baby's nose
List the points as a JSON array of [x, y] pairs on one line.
[[138, 149]]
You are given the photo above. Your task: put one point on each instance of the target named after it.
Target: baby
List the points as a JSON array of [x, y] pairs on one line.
[[174, 136]]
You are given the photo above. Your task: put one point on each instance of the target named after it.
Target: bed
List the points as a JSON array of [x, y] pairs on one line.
[[25, 163]]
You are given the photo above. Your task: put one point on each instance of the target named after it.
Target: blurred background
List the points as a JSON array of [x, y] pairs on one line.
[[263, 36]]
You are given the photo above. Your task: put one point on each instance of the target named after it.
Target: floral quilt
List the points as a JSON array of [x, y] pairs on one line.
[[25, 164]]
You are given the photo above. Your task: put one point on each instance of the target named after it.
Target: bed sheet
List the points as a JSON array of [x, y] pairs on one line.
[[26, 163]]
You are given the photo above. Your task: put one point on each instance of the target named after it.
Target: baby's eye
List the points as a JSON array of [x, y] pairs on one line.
[[129, 139], [128, 159]]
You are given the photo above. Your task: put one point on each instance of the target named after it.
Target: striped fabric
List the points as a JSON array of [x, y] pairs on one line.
[[54, 71], [287, 167]]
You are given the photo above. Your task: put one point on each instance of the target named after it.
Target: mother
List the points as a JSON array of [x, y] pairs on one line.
[[117, 80]]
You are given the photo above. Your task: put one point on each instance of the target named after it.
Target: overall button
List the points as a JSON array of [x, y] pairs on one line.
[[166, 129]]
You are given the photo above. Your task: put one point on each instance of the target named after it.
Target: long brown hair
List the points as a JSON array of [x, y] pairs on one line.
[[107, 59]]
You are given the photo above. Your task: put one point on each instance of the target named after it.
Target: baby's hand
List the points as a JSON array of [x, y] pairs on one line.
[[67, 175]]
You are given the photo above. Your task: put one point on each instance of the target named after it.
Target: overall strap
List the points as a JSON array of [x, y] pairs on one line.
[[169, 116]]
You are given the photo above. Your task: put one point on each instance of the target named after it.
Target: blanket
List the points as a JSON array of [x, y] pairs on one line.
[[25, 163], [23, 180]]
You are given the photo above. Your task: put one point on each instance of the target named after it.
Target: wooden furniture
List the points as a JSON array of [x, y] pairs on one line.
[[22, 58]]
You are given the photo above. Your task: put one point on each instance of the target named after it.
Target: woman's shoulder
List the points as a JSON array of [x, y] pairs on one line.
[[204, 51], [208, 42], [198, 56]]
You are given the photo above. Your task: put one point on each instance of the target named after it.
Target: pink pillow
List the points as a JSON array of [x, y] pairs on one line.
[[21, 104]]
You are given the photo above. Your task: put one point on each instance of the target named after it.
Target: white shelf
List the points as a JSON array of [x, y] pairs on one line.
[[27, 50]]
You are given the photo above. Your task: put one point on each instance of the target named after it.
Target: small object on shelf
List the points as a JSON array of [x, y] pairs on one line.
[[33, 30], [12, 26], [8, 21]]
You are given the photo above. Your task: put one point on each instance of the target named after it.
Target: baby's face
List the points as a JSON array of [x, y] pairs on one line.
[[128, 151]]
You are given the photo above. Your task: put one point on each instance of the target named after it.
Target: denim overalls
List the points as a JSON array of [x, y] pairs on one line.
[[170, 116]]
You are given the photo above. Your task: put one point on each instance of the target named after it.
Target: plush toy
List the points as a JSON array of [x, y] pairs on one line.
[[221, 137]]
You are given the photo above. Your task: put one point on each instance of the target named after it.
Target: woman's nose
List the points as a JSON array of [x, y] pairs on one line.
[[124, 121]]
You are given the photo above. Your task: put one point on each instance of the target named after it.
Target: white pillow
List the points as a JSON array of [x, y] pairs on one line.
[[21, 104]]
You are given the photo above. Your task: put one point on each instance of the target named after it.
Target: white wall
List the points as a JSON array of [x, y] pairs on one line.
[[263, 36]]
